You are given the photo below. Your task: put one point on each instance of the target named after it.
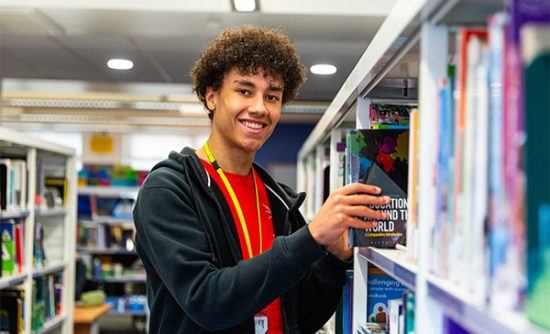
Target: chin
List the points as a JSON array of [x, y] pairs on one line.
[[252, 147]]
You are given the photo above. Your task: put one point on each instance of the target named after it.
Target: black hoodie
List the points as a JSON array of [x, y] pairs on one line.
[[197, 281]]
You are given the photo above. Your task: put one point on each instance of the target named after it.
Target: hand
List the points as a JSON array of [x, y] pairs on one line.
[[340, 210], [340, 248]]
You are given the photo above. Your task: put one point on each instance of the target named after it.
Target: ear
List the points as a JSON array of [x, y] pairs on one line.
[[210, 98]]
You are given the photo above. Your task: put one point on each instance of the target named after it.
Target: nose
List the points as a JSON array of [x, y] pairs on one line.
[[257, 105]]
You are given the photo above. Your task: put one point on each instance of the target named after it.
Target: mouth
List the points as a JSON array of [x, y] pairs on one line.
[[254, 125]]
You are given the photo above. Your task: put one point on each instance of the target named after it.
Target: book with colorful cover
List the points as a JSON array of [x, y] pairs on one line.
[[443, 172], [535, 50], [381, 288], [506, 178], [18, 239], [7, 232], [11, 311], [389, 115], [412, 240], [347, 304], [380, 158], [410, 307], [465, 36], [372, 328], [498, 233]]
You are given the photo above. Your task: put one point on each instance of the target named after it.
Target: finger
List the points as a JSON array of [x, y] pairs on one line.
[[364, 211], [362, 199], [355, 188], [355, 222]]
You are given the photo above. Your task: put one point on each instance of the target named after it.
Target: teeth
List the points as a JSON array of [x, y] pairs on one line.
[[252, 125]]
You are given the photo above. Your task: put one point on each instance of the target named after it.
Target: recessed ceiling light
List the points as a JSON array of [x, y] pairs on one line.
[[323, 69], [120, 64], [244, 5]]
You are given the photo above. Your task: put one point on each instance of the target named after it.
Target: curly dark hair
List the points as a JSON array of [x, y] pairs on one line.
[[248, 49]]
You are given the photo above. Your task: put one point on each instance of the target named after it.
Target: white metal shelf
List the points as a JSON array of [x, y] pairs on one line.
[[123, 279], [107, 220], [39, 213], [110, 251], [49, 269], [51, 325], [393, 262], [58, 239], [15, 137], [396, 46], [398, 35], [109, 191], [4, 215], [481, 320], [10, 281]]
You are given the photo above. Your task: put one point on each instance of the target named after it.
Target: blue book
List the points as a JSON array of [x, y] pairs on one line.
[[347, 304], [381, 288]]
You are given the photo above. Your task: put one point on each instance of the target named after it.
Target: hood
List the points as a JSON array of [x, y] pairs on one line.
[[187, 158]]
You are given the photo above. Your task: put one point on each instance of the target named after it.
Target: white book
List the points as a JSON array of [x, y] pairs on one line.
[[480, 189], [19, 182], [395, 307], [465, 209]]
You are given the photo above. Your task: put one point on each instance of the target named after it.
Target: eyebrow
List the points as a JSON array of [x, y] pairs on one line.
[[250, 84]]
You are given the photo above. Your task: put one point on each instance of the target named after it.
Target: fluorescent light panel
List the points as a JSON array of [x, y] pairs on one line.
[[120, 64], [323, 69], [244, 5]]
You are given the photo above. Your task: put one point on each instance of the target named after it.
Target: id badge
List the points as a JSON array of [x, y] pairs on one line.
[[260, 324]]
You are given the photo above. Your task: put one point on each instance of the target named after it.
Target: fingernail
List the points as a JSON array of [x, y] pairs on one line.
[[378, 190], [387, 199]]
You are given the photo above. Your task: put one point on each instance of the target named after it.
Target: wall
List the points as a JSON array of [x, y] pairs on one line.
[[279, 154], [284, 144]]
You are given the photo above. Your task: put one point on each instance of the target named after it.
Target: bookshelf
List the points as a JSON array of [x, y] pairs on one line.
[[412, 48], [106, 245], [38, 271]]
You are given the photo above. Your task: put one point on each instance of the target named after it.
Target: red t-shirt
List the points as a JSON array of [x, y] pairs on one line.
[[243, 186]]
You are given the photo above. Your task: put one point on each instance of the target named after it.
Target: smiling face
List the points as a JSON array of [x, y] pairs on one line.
[[246, 109]]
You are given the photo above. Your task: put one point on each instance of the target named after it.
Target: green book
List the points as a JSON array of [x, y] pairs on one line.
[[536, 52], [7, 230]]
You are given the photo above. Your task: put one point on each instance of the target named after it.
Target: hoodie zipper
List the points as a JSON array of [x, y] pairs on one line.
[[221, 214]]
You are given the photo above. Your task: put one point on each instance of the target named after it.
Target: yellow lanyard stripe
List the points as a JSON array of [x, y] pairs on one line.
[[236, 201]]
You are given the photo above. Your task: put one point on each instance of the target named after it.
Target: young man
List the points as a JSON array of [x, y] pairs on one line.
[[224, 246]]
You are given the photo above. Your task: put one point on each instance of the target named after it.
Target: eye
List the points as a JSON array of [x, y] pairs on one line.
[[244, 92], [272, 98]]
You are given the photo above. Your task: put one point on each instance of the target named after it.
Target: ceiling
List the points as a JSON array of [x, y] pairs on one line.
[[59, 48]]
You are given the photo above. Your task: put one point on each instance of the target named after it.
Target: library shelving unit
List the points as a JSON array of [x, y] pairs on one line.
[[106, 244], [406, 60], [38, 220]]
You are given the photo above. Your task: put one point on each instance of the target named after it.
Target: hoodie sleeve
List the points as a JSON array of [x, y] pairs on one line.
[[320, 290], [171, 232]]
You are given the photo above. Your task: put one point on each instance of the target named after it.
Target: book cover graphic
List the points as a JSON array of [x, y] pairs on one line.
[[372, 328], [381, 288], [389, 115], [7, 233], [380, 158]]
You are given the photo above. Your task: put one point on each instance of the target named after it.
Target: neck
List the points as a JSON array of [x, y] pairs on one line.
[[230, 159]]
